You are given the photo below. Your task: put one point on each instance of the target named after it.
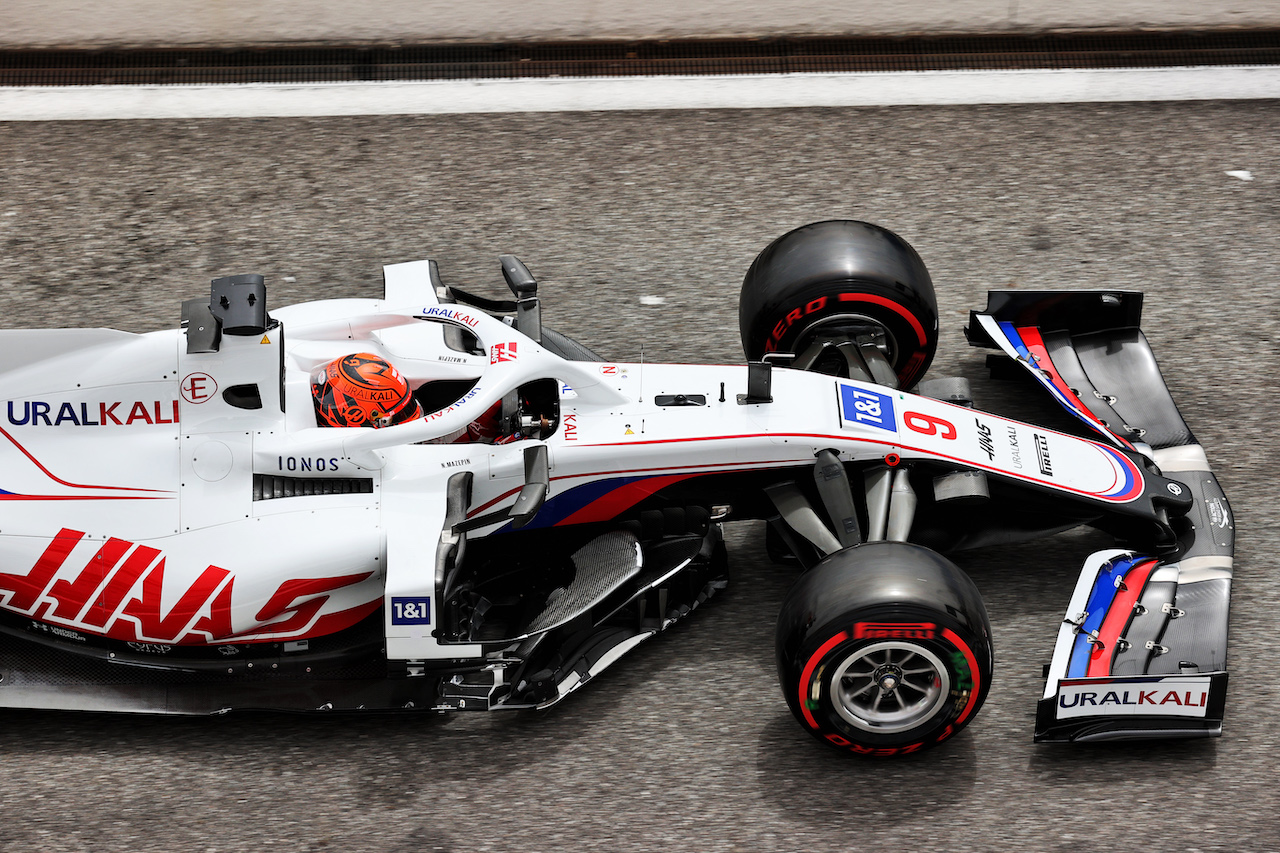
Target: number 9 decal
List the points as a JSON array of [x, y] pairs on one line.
[[929, 425]]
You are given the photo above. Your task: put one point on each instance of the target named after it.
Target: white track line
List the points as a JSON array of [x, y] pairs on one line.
[[59, 103]]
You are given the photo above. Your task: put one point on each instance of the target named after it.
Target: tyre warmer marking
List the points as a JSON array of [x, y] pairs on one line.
[[806, 675], [1118, 618], [7, 495], [1026, 346], [1106, 587]]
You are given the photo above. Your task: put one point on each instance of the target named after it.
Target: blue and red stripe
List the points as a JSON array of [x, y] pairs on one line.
[[1132, 484], [1117, 618], [1106, 595], [600, 500], [1029, 345]]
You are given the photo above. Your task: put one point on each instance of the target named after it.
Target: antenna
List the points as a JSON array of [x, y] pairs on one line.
[[640, 396]]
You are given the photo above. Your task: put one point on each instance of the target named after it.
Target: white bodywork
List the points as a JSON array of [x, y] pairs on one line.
[[128, 505]]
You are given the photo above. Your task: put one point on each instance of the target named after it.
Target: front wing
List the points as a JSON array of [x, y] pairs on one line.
[[1142, 650]]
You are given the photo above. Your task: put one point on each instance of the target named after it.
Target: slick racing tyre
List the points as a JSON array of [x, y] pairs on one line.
[[833, 281], [884, 649]]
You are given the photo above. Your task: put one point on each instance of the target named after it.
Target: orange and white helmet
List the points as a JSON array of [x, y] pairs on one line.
[[360, 390]]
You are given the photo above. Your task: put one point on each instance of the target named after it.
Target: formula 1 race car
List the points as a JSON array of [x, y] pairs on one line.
[[183, 531]]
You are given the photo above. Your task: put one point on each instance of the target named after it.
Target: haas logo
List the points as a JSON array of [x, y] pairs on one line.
[[503, 352], [118, 593]]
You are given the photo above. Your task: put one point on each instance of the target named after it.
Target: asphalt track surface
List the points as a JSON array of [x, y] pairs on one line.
[[685, 744]]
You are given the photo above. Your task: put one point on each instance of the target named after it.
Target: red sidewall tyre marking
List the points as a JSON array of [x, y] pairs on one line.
[[951, 636], [806, 675], [921, 336], [906, 373], [806, 680]]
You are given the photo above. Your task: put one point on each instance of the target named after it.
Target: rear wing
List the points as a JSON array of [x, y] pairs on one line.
[[1142, 651]]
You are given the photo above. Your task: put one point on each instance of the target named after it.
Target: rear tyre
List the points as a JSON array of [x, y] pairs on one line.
[[838, 279], [884, 649]]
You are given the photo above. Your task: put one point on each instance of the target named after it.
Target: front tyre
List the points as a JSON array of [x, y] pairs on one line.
[[830, 282], [884, 649]]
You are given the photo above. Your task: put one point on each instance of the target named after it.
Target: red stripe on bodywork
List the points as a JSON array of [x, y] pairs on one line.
[[59, 480], [717, 468], [1117, 619], [609, 505], [888, 443], [84, 497], [484, 506]]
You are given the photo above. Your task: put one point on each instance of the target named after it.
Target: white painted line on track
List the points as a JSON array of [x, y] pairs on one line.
[[68, 103]]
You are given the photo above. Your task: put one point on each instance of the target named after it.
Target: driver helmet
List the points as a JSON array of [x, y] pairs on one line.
[[361, 390]]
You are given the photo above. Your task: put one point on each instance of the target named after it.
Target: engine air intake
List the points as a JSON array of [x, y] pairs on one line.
[[270, 486]]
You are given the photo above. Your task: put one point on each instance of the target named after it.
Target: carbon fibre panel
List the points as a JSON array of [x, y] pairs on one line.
[[1198, 635], [1146, 626], [1120, 365]]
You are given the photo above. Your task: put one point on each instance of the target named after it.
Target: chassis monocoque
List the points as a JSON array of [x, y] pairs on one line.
[[180, 536]]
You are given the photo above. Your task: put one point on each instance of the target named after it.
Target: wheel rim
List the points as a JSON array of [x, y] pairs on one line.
[[889, 687], [831, 331]]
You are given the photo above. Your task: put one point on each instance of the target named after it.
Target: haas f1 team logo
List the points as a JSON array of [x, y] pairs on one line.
[[118, 592], [503, 352]]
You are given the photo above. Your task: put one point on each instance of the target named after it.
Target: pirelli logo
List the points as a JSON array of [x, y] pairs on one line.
[[895, 631], [1042, 455]]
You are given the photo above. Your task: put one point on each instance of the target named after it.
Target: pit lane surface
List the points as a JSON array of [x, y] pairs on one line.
[[685, 744]]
